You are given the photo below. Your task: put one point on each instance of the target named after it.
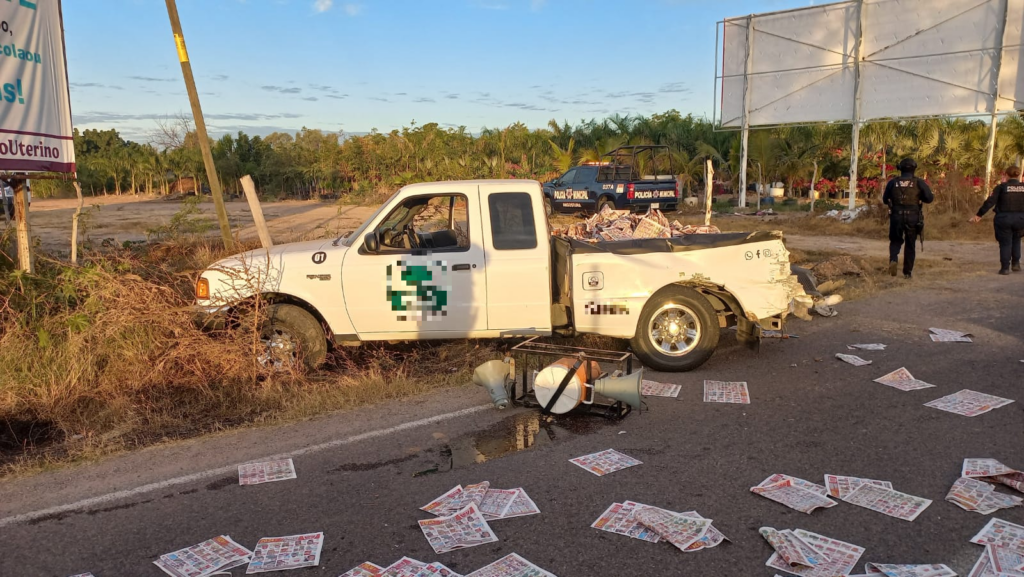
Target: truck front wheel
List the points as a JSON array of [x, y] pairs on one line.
[[678, 330], [290, 338]]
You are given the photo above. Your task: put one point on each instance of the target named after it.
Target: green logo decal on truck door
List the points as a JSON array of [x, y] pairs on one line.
[[419, 300]]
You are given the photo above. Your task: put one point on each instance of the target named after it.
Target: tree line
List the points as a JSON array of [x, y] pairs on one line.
[[313, 163]]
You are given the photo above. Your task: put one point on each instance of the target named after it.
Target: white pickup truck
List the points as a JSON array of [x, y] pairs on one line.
[[476, 259]]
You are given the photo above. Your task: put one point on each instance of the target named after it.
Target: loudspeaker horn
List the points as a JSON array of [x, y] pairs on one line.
[[491, 376], [625, 389]]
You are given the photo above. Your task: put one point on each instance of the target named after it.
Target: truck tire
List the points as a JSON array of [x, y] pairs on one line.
[[678, 330], [603, 202], [291, 338]]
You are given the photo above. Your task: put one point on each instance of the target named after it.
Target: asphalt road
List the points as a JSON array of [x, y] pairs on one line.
[[810, 415]]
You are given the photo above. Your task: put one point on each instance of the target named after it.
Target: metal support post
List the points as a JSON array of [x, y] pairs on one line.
[[858, 50], [745, 146], [994, 127]]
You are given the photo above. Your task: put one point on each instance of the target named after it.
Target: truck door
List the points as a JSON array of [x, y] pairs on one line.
[[563, 190], [518, 259], [427, 280]]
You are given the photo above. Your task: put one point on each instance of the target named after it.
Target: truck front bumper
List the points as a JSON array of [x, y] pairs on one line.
[[210, 317]]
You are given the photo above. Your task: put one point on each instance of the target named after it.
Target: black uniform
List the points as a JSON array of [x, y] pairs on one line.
[[905, 195], [1008, 200]]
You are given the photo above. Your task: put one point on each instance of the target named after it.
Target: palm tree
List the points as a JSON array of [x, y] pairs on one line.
[[563, 160]]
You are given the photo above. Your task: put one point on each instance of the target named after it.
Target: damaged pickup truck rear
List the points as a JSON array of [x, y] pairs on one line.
[[476, 259]]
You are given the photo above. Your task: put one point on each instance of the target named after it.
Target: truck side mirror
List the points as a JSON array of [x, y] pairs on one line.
[[370, 242]]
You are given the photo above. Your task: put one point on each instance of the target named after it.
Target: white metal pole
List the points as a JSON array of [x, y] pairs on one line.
[[855, 144], [745, 145], [994, 128], [709, 190]]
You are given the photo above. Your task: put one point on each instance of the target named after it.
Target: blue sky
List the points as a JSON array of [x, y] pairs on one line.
[[266, 65]]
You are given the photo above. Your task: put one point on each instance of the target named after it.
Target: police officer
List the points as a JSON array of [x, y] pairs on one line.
[[1008, 200], [905, 196]]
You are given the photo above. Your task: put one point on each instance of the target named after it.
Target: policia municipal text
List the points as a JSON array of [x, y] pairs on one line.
[[1008, 200], [904, 196]]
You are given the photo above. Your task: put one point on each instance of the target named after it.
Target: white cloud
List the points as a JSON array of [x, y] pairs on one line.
[[353, 9], [323, 5]]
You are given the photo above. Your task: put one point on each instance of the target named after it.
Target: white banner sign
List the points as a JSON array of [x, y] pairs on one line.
[[35, 107]]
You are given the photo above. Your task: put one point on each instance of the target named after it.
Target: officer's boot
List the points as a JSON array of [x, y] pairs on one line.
[[1016, 267], [893, 265]]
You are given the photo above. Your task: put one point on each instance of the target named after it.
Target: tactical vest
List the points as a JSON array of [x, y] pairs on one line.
[[906, 193], [1012, 199]]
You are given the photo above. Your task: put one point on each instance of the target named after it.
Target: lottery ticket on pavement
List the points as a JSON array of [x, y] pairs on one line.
[[794, 497], [968, 403], [888, 502], [511, 565], [842, 557], [208, 557], [1005, 560], [792, 549], [607, 461], [676, 529], [984, 468], [282, 553], [902, 379], [722, 392], [521, 506], [653, 389], [812, 487], [909, 570], [853, 360], [436, 570], [840, 486], [496, 503], [618, 518], [1001, 533], [404, 567], [867, 347], [256, 473], [366, 569], [467, 528]]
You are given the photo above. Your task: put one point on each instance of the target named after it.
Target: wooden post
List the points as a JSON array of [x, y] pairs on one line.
[[74, 224], [197, 116], [257, 211], [709, 187], [24, 234]]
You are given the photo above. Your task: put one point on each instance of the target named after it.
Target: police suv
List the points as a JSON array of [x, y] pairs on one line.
[[625, 179]]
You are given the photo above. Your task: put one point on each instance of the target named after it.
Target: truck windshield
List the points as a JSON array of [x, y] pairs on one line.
[[358, 233]]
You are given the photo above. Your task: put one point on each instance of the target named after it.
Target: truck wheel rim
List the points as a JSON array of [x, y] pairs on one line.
[[674, 330], [278, 351]]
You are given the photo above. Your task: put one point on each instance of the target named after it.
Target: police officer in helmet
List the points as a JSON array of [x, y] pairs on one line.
[[905, 195], [1008, 200]]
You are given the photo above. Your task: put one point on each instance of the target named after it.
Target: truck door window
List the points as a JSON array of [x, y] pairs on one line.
[[568, 177], [428, 222], [512, 224]]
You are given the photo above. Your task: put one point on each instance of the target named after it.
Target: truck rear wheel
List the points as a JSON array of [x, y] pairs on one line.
[[603, 202], [678, 330], [291, 338]]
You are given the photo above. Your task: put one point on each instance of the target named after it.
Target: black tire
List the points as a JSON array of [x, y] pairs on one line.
[[603, 202], [668, 354], [299, 337]]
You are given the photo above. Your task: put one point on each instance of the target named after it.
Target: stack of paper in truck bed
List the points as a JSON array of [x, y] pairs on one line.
[[968, 403], [206, 558], [888, 502], [908, 570], [366, 569], [621, 518], [993, 471], [980, 497], [281, 553], [839, 486], [794, 493], [607, 461], [467, 528], [793, 550], [511, 565], [902, 379], [946, 336], [838, 557]]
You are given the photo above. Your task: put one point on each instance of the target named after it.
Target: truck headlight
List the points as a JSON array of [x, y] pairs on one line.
[[202, 289]]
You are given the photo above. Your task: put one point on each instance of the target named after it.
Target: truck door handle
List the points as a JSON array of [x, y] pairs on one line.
[[459, 267]]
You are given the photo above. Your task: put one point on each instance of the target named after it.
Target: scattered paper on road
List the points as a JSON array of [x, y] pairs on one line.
[[677, 529], [983, 567], [618, 518], [909, 570], [722, 392], [812, 487], [853, 360], [975, 468], [902, 379], [867, 347], [281, 553], [496, 502], [1005, 560], [842, 557], [404, 567], [968, 403], [888, 502], [256, 473], [607, 461], [1016, 481], [457, 499], [210, 556], [522, 506], [1001, 533], [949, 334], [467, 528], [84, 575], [950, 339], [511, 565], [653, 389], [436, 570], [980, 497], [793, 550], [366, 569], [793, 496], [840, 486], [713, 538]]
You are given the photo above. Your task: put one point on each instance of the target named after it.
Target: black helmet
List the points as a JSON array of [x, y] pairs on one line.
[[908, 165]]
